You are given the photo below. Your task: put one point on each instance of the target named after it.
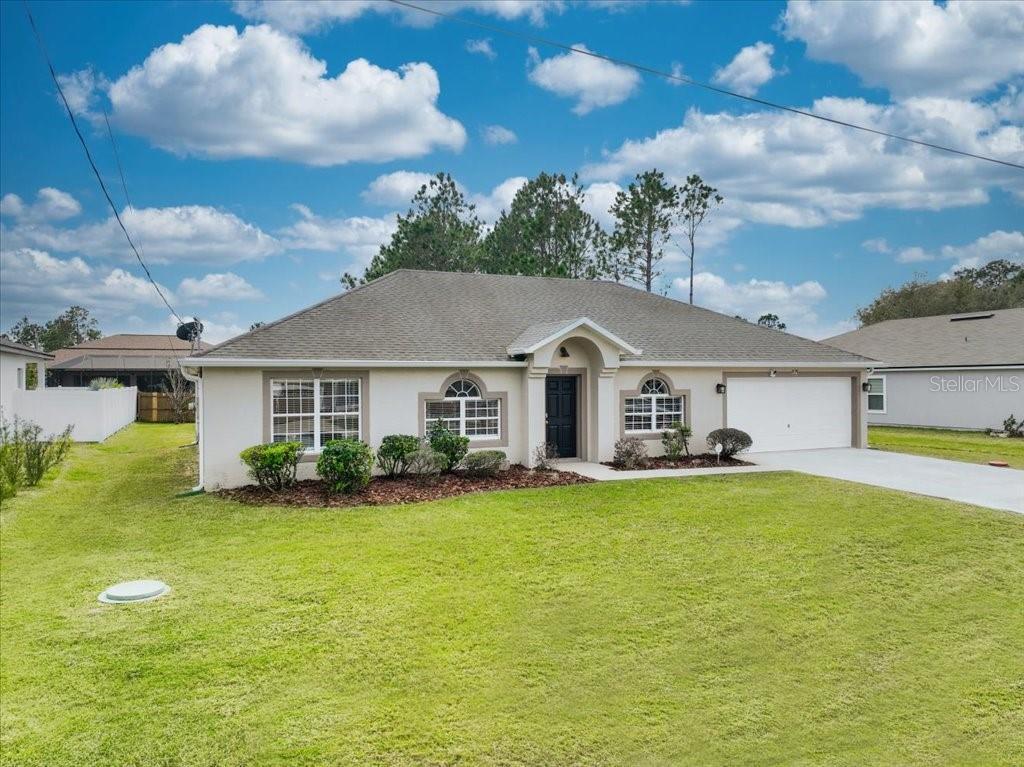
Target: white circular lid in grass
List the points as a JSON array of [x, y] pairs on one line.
[[134, 591]]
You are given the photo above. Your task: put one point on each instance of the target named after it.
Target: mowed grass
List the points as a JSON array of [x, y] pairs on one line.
[[970, 446], [754, 619]]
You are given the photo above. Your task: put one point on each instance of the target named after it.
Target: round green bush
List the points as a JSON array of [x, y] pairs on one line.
[[345, 465], [449, 444], [394, 453], [273, 466], [484, 463], [732, 441]]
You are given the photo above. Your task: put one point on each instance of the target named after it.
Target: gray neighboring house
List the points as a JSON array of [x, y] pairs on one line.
[[135, 359], [961, 371], [512, 362]]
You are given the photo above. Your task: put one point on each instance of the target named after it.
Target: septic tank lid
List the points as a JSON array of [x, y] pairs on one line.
[[134, 591]]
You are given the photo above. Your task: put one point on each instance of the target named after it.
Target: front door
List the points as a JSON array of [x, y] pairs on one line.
[[561, 414]]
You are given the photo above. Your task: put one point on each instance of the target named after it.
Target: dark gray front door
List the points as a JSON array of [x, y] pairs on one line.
[[561, 414]]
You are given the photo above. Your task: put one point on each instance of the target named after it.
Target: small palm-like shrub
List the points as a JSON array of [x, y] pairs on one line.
[[449, 444], [732, 441], [394, 453], [676, 440], [545, 456], [484, 463], [630, 453], [274, 465], [105, 383], [345, 465]]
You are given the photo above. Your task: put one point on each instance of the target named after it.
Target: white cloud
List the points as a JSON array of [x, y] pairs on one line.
[[796, 304], [913, 255], [50, 205], [227, 286], [496, 135], [302, 16], [186, 233], [594, 83], [358, 237], [910, 48], [789, 170], [876, 245], [395, 188], [676, 71], [483, 47], [216, 329], [490, 205], [749, 70], [261, 93], [81, 89], [995, 245], [35, 283]]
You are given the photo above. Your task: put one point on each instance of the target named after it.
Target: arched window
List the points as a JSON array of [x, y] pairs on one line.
[[653, 408], [464, 410]]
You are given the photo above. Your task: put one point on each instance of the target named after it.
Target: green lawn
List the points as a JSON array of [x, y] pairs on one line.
[[754, 619], [971, 446]]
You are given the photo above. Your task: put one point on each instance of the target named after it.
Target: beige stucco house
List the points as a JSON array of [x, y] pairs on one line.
[[512, 362]]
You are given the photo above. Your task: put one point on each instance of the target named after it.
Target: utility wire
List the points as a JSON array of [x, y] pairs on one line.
[[690, 81], [92, 164]]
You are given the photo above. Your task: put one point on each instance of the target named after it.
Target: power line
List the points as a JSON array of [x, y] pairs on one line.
[[92, 164], [690, 81]]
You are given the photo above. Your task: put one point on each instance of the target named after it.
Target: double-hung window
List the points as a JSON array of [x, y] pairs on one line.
[[654, 408], [314, 411], [876, 394], [464, 410]]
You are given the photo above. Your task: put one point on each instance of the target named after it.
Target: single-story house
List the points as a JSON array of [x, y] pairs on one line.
[[134, 359], [961, 371], [513, 362], [16, 364]]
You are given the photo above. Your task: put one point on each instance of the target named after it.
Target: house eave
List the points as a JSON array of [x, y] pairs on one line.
[[248, 362]]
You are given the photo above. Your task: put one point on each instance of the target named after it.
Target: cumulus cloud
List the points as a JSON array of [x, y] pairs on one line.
[[496, 135], [490, 205], [594, 83], [226, 286], [260, 93], [999, 244], [483, 47], [186, 233], [749, 70], [795, 304], [789, 170], [395, 188], [50, 205], [358, 237], [216, 329], [910, 48], [36, 283], [876, 245]]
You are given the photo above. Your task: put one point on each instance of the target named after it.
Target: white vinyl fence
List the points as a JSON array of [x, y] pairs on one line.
[[94, 415]]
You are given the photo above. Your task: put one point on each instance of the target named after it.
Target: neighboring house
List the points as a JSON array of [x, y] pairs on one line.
[[512, 362], [16, 363], [133, 359], [963, 371]]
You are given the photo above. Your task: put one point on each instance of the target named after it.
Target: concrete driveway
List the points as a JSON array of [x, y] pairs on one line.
[[967, 482]]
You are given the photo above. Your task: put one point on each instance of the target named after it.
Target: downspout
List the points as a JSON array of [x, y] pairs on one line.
[[195, 375]]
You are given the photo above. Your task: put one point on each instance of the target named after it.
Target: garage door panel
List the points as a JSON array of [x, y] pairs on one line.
[[791, 413]]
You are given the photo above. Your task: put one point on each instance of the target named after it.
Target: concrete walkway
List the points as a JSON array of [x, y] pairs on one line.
[[987, 486], [604, 473]]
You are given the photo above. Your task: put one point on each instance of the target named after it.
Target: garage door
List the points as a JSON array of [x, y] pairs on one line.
[[791, 413]]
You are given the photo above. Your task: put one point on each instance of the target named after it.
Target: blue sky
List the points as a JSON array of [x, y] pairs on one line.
[[267, 147]]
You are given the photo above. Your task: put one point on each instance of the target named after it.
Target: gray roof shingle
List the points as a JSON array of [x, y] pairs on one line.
[[945, 340], [422, 316]]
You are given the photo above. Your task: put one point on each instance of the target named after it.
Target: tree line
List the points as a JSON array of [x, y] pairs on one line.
[[547, 232]]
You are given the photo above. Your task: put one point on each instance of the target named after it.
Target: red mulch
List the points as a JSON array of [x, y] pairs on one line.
[[704, 461], [383, 491]]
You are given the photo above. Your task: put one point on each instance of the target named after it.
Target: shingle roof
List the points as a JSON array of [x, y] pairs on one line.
[[12, 346], [946, 340], [445, 316], [106, 353]]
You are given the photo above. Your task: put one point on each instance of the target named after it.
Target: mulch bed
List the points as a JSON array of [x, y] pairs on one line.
[[383, 491], [703, 461]]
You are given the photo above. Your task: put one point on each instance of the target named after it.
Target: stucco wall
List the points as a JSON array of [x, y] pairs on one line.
[[961, 399], [10, 364]]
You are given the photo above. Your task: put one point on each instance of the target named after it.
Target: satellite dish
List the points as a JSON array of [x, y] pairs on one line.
[[188, 331]]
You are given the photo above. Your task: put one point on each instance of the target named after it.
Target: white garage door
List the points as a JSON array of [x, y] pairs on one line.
[[791, 413]]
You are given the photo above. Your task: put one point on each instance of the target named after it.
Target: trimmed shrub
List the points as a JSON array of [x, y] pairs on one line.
[[345, 465], [676, 440], [484, 463], [732, 441], [105, 383], [273, 465], [449, 444], [426, 462], [394, 452], [545, 456], [630, 453]]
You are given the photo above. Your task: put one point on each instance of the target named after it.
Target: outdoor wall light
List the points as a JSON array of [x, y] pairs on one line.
[[720, 388], [865, 387], [563, 352], [771, 374]]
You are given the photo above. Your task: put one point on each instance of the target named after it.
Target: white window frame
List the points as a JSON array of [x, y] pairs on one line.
[[884, 394], [654, 412], [463, 419], [317, 412]]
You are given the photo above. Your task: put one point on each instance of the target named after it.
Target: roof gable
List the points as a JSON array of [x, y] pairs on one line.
[[543, 333]]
